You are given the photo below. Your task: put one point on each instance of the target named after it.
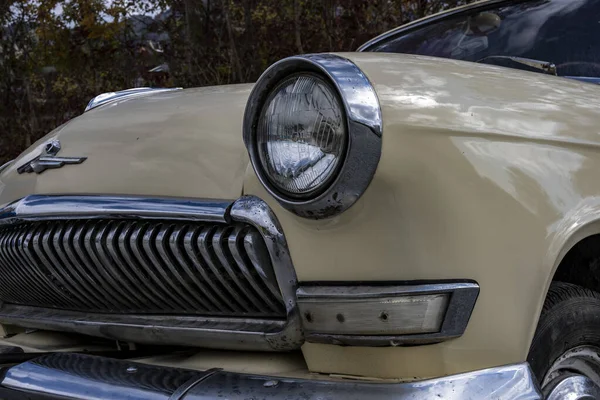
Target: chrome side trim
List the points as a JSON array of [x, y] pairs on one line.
[[44, 207], [364, 122], [320, 300], [89, 377], [232, 333], [368, 46], [110, 97]]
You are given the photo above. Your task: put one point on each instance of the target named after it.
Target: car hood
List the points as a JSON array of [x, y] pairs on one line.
[[185, 143]]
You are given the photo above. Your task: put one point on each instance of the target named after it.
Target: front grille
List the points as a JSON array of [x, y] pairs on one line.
[[139, 267]]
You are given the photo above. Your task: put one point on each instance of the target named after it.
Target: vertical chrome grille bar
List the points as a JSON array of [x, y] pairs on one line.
[[149, 246], [233, 242], [115, 242], [30, 283], [219, 243], [73, 252], [257, 253], [134, 295], [66, 278], [42, 280], [166, 259], [71, 265], [190, 241], [175, 246], [89, 243], [135, 243], [205, 244], [17, 290], [24, 264], [78, 240], [46, 264]]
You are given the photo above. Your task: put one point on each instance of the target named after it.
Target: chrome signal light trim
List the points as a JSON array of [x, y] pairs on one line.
[[386, 315], [364, 127]]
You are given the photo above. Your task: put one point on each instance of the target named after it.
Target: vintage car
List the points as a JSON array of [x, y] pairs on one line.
[[367, 225]]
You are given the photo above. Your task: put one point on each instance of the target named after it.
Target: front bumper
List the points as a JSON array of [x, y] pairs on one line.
[[77, 376]]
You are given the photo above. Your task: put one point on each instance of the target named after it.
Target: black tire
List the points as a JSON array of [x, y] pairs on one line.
[[570, 318]]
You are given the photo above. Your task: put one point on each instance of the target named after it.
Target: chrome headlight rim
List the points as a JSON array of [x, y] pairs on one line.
[[329, 180], [363, 125]]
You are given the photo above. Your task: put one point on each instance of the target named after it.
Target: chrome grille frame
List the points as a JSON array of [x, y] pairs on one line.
[[188, 330]]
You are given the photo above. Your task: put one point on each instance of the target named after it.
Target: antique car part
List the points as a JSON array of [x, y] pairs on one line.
[[195, 272], [384, 315], [458, 250], [49, 160], [325, 161], [112, 97], [75, 376]]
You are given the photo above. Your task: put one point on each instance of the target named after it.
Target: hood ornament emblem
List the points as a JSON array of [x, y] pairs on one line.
[[49, 160]]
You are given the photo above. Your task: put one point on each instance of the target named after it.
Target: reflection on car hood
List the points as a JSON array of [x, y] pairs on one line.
[[185, 143]]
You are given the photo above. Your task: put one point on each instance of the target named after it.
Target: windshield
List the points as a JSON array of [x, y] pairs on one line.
[[560, 32]]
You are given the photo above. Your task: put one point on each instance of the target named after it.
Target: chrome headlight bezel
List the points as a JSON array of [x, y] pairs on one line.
[[363, 127]]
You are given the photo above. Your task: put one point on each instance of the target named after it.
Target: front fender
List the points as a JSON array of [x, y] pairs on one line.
[[481, 174]]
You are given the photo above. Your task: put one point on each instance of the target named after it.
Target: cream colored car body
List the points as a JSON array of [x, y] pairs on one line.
[[486, 173]]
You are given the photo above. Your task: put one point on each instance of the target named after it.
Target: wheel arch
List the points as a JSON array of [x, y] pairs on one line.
[[574, 237]]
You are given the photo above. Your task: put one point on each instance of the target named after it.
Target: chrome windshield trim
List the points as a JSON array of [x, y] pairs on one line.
[[414, 25], [110, 97], [233, 333], [69, 375], [364, 123], [41, 207]]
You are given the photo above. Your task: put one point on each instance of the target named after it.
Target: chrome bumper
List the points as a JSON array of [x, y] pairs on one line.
[[77, 376]]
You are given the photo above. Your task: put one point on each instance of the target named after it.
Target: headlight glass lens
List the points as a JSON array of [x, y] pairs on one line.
[[301, 135]]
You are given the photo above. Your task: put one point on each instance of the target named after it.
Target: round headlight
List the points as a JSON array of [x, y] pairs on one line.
[[301, 136]]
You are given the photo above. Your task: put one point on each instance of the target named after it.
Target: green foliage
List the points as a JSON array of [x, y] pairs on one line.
[[55, 55]]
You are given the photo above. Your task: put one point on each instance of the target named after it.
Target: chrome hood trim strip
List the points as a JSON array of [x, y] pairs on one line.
[[43, 207]]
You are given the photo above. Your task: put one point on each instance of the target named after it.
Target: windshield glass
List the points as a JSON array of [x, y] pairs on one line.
[[562, 32]]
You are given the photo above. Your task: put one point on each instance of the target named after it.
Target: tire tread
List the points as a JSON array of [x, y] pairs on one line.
[[561, 291]]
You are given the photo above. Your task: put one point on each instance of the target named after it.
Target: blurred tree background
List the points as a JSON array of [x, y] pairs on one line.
[[55, 55]]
